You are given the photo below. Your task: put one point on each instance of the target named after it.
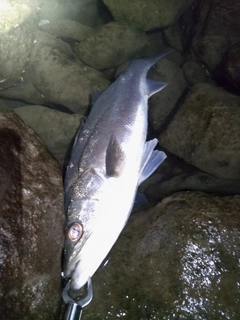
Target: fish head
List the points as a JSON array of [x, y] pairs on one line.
[[89, 240], [77, 233]]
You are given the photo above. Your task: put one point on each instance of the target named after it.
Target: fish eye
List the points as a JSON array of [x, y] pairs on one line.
[[74, 232]]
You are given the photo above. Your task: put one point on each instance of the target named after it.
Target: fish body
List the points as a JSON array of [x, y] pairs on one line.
[[109, 159]]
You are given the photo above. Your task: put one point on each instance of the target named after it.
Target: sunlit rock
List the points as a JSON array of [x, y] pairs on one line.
[[56, 76], [18, 24]]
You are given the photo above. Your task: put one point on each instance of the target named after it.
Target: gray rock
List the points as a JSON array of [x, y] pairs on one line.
[[56, 76], [56, 129], [31, 224], [66, 29], [194, 73], [111, 45], [217, 29], [86, 12], [155, 45], [147, 14], [227, 73], [18, 23], [157, 189], [178, 260], [205, 132], [173, 35], [162, 103], [11, 104], [3, 105]]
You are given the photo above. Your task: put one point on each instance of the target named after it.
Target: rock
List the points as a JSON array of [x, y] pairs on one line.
[[18, 24], [66, 29], [175, 175], [56, 76], [147, 14], [178, 259], [173, 35], [86, 12], [56, 129], [111, 45], [155, 44], [157, 189], [205, 132], [217, 29], [227, 73], [3, 105], [162, 103], [195, 73], [32, 221]]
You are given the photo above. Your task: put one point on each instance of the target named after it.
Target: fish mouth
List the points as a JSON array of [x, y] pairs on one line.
[[88, 258], [78, 277], [73, 267]]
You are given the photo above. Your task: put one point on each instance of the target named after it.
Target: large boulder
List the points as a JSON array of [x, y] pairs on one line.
[[147, 14], [56, 76], [111, 45], [227, 73], [205, 131], [18, 24], [162, 104], [86, 12], [56, 129], [179, 260], [66, 29], [216, 30], [31, 224]]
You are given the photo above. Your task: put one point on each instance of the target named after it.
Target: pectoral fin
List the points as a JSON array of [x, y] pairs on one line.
[[151, 160], [114, 158]]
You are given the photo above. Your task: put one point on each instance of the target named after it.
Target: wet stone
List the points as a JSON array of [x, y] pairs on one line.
[[178, 260], [31, 224]]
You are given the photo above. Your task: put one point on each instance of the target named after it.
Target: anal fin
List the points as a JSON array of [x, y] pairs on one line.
[[151, 160]]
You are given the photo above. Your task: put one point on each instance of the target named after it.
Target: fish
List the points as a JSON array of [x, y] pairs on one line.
[[110, 158]]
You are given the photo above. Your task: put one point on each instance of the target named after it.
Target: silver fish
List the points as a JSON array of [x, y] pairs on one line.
[[109, 159]]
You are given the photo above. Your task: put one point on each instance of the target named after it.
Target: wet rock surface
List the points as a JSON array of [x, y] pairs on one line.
[[179, 259], [31, 224]]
